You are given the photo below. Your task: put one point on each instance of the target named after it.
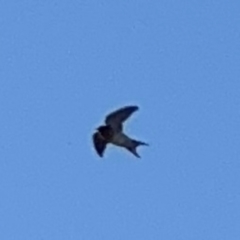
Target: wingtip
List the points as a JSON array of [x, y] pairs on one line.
[[134, 107]]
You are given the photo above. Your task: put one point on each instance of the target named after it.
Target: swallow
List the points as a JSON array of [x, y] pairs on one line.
[[112, 132]]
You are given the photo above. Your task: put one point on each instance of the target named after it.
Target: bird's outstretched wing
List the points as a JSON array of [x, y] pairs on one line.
[[116, 118], [99, 143]]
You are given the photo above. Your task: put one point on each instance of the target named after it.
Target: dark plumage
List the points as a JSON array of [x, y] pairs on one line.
[[112, 132]]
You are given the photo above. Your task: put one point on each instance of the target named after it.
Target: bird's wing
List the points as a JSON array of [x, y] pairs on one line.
[[99, 143], [116, 118]]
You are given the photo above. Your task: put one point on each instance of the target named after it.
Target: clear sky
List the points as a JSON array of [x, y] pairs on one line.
[[65, 64]]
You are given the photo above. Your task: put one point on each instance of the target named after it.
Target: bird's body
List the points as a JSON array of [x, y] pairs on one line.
[[122, 140], [112, 132]]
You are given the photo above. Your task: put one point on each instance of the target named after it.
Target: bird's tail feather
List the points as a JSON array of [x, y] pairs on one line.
[[133, 148]]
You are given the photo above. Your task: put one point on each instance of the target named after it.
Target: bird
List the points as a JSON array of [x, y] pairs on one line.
[[112, 132]]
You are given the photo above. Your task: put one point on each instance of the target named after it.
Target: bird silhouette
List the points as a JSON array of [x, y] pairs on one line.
[[112, 132]]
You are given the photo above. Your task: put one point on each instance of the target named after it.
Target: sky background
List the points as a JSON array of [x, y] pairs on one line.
[[64, 65]]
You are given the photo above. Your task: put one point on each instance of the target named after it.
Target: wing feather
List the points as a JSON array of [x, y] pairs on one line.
[[116, 118], [99, 143]]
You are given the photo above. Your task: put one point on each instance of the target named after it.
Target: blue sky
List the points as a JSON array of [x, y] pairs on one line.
[[65, 64]]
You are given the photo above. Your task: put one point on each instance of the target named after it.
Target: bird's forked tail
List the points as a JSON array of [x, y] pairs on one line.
[[135, 144]]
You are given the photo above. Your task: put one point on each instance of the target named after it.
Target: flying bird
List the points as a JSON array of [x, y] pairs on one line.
[[112, 132]]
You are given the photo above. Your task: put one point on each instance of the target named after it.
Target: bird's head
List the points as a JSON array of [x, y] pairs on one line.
[[103, 128], [105, 131]]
